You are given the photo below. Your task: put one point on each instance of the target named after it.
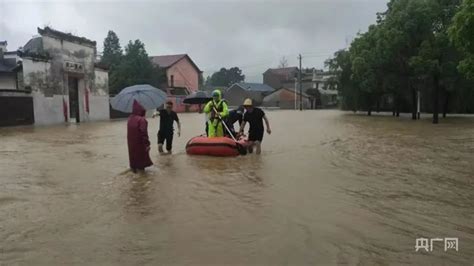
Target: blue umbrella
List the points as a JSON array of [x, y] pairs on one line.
[[148, 96]]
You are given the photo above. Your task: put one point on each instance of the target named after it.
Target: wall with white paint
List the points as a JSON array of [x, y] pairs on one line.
[[101, 82], [36, 74], [99, 108], [99, 96], [48, 110], [48, 80]]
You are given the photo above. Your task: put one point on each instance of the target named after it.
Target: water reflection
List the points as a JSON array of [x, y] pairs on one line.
[[139, 194]]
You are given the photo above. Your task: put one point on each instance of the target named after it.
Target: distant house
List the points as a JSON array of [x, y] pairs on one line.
[[237, 93], [329, 98], [9, 69], [177, 95], [278, 77], [181, 71], [312, 82], [285, 98], [211, 88], [16, 105]]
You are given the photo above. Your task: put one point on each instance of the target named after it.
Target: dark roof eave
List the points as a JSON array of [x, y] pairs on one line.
[[65, 36], [12, 52], [101, 66]]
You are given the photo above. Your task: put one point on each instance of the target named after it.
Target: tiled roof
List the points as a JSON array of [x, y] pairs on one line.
[[282, 71], [255, 87], [65, 36], [8, 65], [269, 98], [327, 92], [166, 61], [34, 45], [297, 91]]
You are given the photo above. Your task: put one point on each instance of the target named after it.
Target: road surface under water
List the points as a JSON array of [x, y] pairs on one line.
[[329, 188]]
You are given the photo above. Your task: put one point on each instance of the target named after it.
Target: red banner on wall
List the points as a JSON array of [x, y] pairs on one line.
[[87, 100], [65, 110]]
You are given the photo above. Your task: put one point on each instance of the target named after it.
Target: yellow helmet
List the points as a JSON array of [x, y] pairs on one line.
[[247, 102]]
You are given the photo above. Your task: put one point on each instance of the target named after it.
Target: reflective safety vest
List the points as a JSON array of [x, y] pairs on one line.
[[219, 108]]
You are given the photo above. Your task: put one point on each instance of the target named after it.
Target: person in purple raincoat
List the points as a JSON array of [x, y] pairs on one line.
[[138, 141]]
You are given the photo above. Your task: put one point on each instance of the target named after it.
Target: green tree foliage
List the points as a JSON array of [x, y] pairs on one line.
[[462, 34], [112, 53], [226, 77], [408, 49], [132, 67], [341, 66]]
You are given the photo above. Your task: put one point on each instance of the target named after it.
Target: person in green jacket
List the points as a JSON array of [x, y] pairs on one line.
[[215, 127]]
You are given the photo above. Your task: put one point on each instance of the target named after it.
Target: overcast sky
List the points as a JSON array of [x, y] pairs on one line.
[[252, 35]]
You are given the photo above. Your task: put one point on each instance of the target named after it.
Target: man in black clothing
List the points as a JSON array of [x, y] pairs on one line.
[[234, 116], [166, 132], [255, 117]]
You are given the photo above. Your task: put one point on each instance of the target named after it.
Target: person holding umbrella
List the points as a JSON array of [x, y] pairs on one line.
[[217, 110], [136, 100], [200, 98]]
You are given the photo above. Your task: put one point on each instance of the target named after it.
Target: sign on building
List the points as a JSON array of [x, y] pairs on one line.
[[73, 67]]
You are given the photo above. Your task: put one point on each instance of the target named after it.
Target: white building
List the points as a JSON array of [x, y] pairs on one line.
[[66, 84]]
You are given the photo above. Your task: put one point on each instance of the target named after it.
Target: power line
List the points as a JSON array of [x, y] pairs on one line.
[[266, 62], [300, 85]]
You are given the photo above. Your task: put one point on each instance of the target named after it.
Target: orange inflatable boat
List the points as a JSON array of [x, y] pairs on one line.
[[220, 146]]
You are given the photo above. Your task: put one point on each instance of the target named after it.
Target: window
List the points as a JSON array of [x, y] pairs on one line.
[[171, 81]]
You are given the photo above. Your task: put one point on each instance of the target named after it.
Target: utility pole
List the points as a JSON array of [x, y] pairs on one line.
[[300, 84], [418, 105], [296, 94]]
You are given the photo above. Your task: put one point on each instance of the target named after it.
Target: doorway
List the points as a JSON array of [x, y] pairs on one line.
[[73, 85]]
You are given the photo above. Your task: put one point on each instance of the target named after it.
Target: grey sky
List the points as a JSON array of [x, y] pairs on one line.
[[252, 35]]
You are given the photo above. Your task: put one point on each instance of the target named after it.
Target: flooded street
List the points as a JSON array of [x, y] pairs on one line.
[[329, 188]]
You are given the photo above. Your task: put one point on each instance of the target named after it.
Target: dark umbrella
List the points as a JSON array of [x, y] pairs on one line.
[[146, 95], [197, 97]]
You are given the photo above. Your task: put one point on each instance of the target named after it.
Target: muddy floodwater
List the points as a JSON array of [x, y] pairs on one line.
[[329, 188]]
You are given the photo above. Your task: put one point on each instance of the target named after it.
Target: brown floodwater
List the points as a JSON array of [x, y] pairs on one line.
[[329, 188]]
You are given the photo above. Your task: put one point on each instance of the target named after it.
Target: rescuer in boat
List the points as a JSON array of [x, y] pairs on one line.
[[216, 109], [255, 117]]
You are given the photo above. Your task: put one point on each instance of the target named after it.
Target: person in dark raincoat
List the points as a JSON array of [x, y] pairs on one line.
[[137, 137]]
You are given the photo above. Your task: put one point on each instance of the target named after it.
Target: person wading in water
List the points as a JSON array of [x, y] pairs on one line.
[[137, 138], [255, 117], [234, 117], [166, 132]]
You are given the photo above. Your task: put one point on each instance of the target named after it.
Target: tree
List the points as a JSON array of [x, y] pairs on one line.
[[341, 66], [136, 68], [283, 62], [408, 49], [226, 77], [461, 34], [437, 58], [112, 52]]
